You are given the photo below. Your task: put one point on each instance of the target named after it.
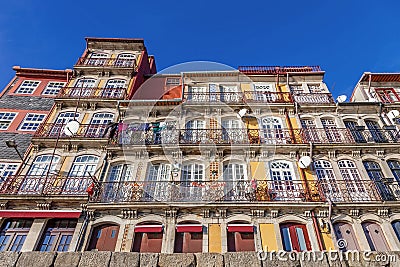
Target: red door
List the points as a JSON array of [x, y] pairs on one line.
[[345, 231], [295, 237], [187, 242], [375, 237], [147, 242], [104, 238]]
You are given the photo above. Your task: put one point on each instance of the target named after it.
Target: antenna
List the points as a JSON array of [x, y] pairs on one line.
[[341, 98]]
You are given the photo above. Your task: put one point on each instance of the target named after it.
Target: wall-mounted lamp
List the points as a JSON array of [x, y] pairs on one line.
[[13, 144]]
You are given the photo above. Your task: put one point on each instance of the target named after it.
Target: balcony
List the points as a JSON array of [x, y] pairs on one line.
[[313, 98], [207, 191], [238, 97], [92, 92], [106, 62], [134, 135], [360, 190], [45, 186], [347, 136], [277, 69], [57, 130]]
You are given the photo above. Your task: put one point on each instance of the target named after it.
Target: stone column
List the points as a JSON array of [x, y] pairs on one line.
[[224, 237], [362, 239], [34, 235], [390, 235], [75, 236], [257, 237], [168, 237]]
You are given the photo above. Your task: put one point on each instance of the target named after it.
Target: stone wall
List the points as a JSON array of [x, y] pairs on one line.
[[132, 259]]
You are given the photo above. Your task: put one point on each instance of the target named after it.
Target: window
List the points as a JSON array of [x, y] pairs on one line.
[[396, 228], [191, 173], [315, 88], [375, 237], [27, 87], [7, 169], [195, 131], [188, 238], [13, 234], [356, 131], [31, 122], [311, 133], [125, 60], [41, 165], [232, 132], [375, 174], [387, 95], [331, 131], [295, 237], [296, 88], [148, 238], [272, 128], [5, 119], [158, 175], [283, 186], [355, 189], [104, 237], [345, 231], [84, 87], [198, 94], [83, 166], [376, 132], [230, 93], [240, 237], [120, 173], [97, 59], [173, 81], [394, 166], [58, 235], [53, 88], [98, 124], [326, 177], [235, 176]]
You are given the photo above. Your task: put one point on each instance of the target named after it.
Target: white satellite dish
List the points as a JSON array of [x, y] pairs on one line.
[[241, 113], [341, 98], [304, 162], [71, 128], [393, 114]]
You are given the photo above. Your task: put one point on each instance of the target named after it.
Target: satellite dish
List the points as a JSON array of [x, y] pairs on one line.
[[341, 98], [71, 128], [393, 114], [304, 162], [241, 113]]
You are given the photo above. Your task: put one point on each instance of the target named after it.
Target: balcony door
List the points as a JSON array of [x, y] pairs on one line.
[[272, 130], [157, 182], [79, 177], [354, 188], [84, 87], [114, 88], [230, 94], [198, 94], [387, 95], [310, 132], [327, 179], [376, 133], [355, 132], [118, 186], [282, 186], [263, 92], [125, 60], [232, 131], [191, 175], [375, 174], [98, 124], [331, 131], [59, 125], [295, 237], [195, 131], [235, 176], [394, 166], [97, 59]]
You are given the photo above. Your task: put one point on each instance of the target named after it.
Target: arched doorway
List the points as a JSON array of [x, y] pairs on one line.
[[188, 238], [345, 231], [104, 237], [240, 237], [148, 237]]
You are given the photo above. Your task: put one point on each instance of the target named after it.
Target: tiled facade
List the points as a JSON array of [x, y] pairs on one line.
[[212, 161]]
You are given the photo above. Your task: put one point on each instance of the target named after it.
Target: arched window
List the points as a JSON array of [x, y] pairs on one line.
[[375, 237], [375, 174], [114, 88], [295, 237], [394, 166], [396, 228], [104, 237], [284, 184], [120, 173], [98, 124], [158, 176], [272, 129], [188, 238], [13, 234], [57, 128], [356, 131], [355, 188], [97, 59], [311, 133], [232, 131], [376, 133], [327, 179], [58, 235], [148, 237], [80, 174], [345, 231], [331, 131], [240, 236], [84, 87], [125, 60], [41, 165]]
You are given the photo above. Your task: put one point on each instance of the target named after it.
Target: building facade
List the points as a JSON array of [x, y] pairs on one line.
[[259, 158]]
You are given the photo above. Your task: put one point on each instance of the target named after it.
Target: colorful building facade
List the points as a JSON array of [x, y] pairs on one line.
[[259, 158]]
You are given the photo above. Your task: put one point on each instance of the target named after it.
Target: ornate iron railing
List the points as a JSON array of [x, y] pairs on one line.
[[45, 185], [351, 190], [268, 97], [313, 98], [208, 191], [239, 97], [136, 136], [277, 69], [106, 62], [58, 130], [92, 92]]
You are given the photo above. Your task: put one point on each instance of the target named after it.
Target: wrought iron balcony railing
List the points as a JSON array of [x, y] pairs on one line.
[[278, 69], [345, 135], [208, 191], [239, 97], [136, 136], [58, 130], [92, 92], [42, 185], [313, 98], [106, 62]]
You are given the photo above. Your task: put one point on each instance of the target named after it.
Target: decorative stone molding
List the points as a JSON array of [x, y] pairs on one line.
[[90, 214], [35, 148], [4, 205], [93, 106], [129, 214], [323, 213], [356, 154], [110, 155], [383, 212], [332, 154], [43, 205], [84, 106], [305, 153], [206, 213], [207, 112], [74, 148], [291, 112], [171, 213], [66, 147], [307, 213], [59, 105], [281, 111], [125, 236], [258, 213], [354, 212], [257, 111], [177, 154], [218, 111], [84, 207], [293, 154], [380, 153], [274, 213], [220, 213]]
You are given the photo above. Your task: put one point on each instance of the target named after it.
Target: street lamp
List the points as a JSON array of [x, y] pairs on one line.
[[13, 144]]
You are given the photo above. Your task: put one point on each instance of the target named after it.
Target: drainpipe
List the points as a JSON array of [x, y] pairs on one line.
[[369, 84]]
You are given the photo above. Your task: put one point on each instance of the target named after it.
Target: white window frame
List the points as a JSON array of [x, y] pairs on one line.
[[53, 88], [8, 169], [31, 125], [326, 176], [29, 87], [6, 121], [283, 176]]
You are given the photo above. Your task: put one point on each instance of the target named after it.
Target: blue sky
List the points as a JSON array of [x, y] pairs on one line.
[[345, 38]]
